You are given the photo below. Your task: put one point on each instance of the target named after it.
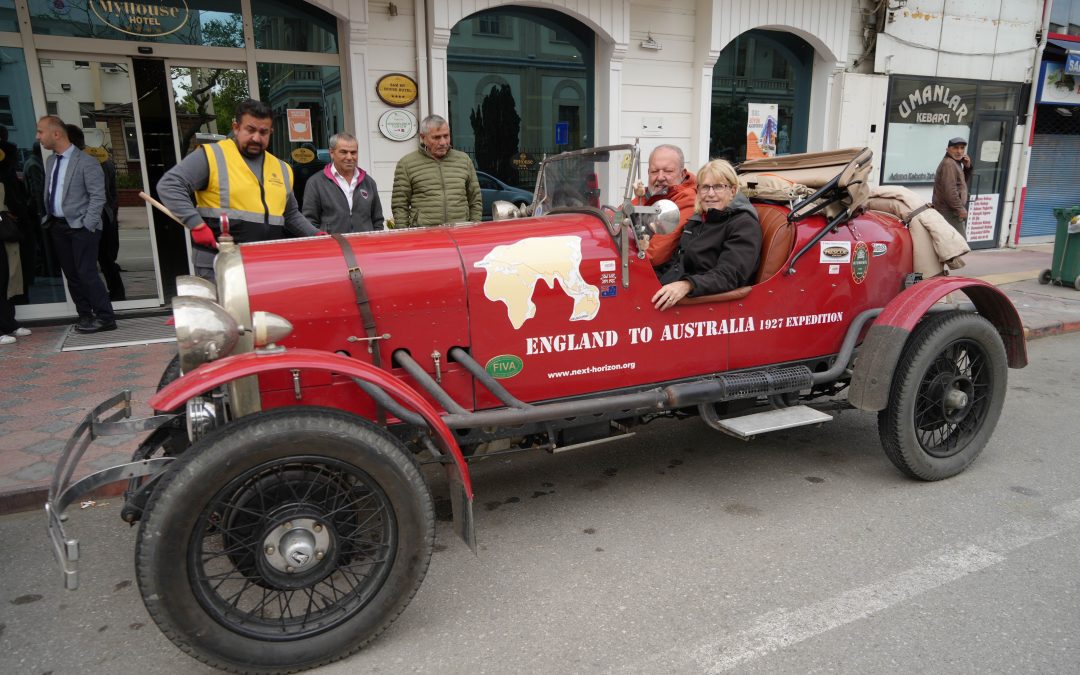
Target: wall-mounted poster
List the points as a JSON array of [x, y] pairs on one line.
[[761, 130], [1057, 86], [299, 125]]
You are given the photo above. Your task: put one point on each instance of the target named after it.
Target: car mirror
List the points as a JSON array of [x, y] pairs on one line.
[[501, 210], [666, 218]]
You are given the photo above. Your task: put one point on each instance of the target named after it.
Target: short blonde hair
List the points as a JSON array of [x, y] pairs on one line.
[[716, 170]]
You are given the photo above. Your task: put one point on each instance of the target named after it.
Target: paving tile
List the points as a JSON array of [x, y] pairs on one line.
[[39, 471], [53, 427], [51, 447], [76, 383], [18, 388], [4, 419], [24, 438]]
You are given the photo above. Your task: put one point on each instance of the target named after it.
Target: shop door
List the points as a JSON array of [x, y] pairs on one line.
[[97, 96], [989, 152]]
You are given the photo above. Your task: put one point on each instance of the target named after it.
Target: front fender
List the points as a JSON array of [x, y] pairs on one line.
[[216, 373], [880, 352]]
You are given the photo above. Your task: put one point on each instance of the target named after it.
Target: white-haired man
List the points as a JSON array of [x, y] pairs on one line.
[[343, 197]]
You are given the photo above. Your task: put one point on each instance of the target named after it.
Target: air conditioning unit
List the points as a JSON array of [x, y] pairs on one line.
[[111, 68]]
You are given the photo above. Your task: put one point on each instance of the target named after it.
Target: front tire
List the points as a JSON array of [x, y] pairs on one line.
[[286, 540], [946, 398]]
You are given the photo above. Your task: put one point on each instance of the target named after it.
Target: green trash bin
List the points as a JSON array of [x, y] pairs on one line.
[[1065, 269]]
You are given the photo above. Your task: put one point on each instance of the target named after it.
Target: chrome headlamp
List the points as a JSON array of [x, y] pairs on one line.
[[204, 331], [196, 287]]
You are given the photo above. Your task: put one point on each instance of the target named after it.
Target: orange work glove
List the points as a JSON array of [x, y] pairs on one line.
[[203, 236]]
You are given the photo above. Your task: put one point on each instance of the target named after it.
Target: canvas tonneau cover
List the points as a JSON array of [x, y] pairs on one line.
[[791, 177]]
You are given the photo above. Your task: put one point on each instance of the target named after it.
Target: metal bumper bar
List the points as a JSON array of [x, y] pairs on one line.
[[101, 421]]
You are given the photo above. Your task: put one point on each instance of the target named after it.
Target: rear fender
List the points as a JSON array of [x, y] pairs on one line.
[[216, 373], [880, 352]]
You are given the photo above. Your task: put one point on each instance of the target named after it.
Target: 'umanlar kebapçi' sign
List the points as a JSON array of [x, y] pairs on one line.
[[141, 18]]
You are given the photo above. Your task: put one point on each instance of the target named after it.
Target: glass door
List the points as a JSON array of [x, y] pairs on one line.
[[96, 97], [989, 152], [204, 97]]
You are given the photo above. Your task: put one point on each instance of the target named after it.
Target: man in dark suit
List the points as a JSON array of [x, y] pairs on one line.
[[74, 199]]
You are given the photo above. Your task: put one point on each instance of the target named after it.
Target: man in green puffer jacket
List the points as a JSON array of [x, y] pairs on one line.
[[435, 184]]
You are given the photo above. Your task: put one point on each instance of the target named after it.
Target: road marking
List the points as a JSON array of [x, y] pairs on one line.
[[782, 628]]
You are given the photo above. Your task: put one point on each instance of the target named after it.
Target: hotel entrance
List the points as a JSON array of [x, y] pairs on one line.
[[144, 85]]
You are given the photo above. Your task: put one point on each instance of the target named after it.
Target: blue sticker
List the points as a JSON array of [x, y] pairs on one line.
[[608, 291]]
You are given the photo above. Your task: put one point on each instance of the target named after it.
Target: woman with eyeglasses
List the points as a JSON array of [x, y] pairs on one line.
[[721, 243]]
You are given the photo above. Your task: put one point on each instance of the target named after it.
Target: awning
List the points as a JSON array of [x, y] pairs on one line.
[[1067, 45]]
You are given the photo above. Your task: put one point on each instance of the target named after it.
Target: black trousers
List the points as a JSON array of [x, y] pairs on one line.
[[8, 324], [108, 249], [77, 249]]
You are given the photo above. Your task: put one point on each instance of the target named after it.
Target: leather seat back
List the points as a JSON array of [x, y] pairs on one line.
[[777, 240]]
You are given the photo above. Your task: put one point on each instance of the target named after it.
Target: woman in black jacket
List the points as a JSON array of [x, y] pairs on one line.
[[721, 243]]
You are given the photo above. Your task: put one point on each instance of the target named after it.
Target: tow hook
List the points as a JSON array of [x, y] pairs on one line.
[[437, 358]]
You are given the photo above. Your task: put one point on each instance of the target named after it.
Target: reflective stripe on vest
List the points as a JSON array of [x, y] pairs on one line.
[[233, 189]]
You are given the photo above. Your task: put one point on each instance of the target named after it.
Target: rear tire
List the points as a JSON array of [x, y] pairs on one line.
[[286, 540], [946, 398]]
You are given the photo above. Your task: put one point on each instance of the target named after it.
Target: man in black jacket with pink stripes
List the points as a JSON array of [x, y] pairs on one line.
[[342, 197]]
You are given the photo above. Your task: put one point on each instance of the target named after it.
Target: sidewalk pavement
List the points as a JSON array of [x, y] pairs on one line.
[[46, 392]]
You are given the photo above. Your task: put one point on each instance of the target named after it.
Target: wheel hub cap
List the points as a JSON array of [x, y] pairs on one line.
[[296, 545], [956, 399]]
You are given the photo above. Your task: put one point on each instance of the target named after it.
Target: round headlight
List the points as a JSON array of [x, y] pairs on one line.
[[204, 331], [189, 286]]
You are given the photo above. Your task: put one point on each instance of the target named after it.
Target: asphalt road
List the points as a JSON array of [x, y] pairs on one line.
[[683, 551]]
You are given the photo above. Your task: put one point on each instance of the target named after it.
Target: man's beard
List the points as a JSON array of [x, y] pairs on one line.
[[259, 150], [658, 193]]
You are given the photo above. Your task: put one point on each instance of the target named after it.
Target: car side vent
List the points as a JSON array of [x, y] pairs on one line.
[[764, 382]]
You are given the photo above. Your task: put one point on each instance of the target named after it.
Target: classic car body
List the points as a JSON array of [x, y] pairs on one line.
[[283, 519]]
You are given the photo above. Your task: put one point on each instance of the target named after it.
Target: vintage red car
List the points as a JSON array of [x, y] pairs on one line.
[[284, 520]]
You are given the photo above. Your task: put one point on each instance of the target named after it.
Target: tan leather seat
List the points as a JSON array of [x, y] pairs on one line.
[[777, 240]]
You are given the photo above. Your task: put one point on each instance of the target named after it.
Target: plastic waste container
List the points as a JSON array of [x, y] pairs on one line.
[[1065, 268]]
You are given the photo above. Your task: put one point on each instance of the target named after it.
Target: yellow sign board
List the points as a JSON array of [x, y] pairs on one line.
[[303, 155], [396, 89]]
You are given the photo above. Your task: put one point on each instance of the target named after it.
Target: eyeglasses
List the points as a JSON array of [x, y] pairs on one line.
[[706, 189]]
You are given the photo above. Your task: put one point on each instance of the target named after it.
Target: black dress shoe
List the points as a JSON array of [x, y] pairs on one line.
[[96, 326], [85, 324]]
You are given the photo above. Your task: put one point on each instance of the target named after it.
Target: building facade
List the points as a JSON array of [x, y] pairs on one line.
[[148, 81]]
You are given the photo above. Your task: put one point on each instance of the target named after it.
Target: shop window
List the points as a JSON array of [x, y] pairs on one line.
[[196, 22], [9, 23], [506, 96], [316, 89], [7, 118], [131, 142], [924, 113], [293, 26], [761, 67]]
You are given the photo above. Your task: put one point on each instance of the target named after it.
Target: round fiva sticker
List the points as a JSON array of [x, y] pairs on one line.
[[860, 261], [504, 366]]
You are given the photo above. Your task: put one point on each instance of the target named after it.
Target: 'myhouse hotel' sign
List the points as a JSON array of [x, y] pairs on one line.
[[141, 18]]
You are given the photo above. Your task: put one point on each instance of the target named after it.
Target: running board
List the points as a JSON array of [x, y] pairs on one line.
[[748, 426]]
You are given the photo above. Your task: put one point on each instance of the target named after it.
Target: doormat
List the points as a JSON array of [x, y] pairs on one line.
[[136, 331]]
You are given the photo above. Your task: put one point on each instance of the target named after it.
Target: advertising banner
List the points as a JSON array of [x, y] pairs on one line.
[[761, 130]]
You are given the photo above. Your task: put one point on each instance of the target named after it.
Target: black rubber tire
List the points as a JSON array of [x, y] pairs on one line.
[[947, 352], [1045, 277], [176, 440], [175, 555], [171, 373]]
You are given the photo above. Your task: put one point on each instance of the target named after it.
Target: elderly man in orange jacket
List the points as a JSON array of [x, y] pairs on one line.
[[668, 179]]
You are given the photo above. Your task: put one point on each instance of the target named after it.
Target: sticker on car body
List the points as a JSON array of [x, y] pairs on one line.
[[835, 251]]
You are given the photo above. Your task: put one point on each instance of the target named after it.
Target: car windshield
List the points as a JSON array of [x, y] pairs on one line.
[[586, 178]]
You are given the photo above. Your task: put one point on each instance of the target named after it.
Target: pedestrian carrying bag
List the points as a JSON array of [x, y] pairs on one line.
[[9, 231]]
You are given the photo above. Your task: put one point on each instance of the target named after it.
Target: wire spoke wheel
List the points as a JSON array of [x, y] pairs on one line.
[[946, 397], [292, 547], [286, 540]]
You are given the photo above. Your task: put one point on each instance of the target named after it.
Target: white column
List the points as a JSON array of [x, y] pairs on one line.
[[608, 104], [361, 89]]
